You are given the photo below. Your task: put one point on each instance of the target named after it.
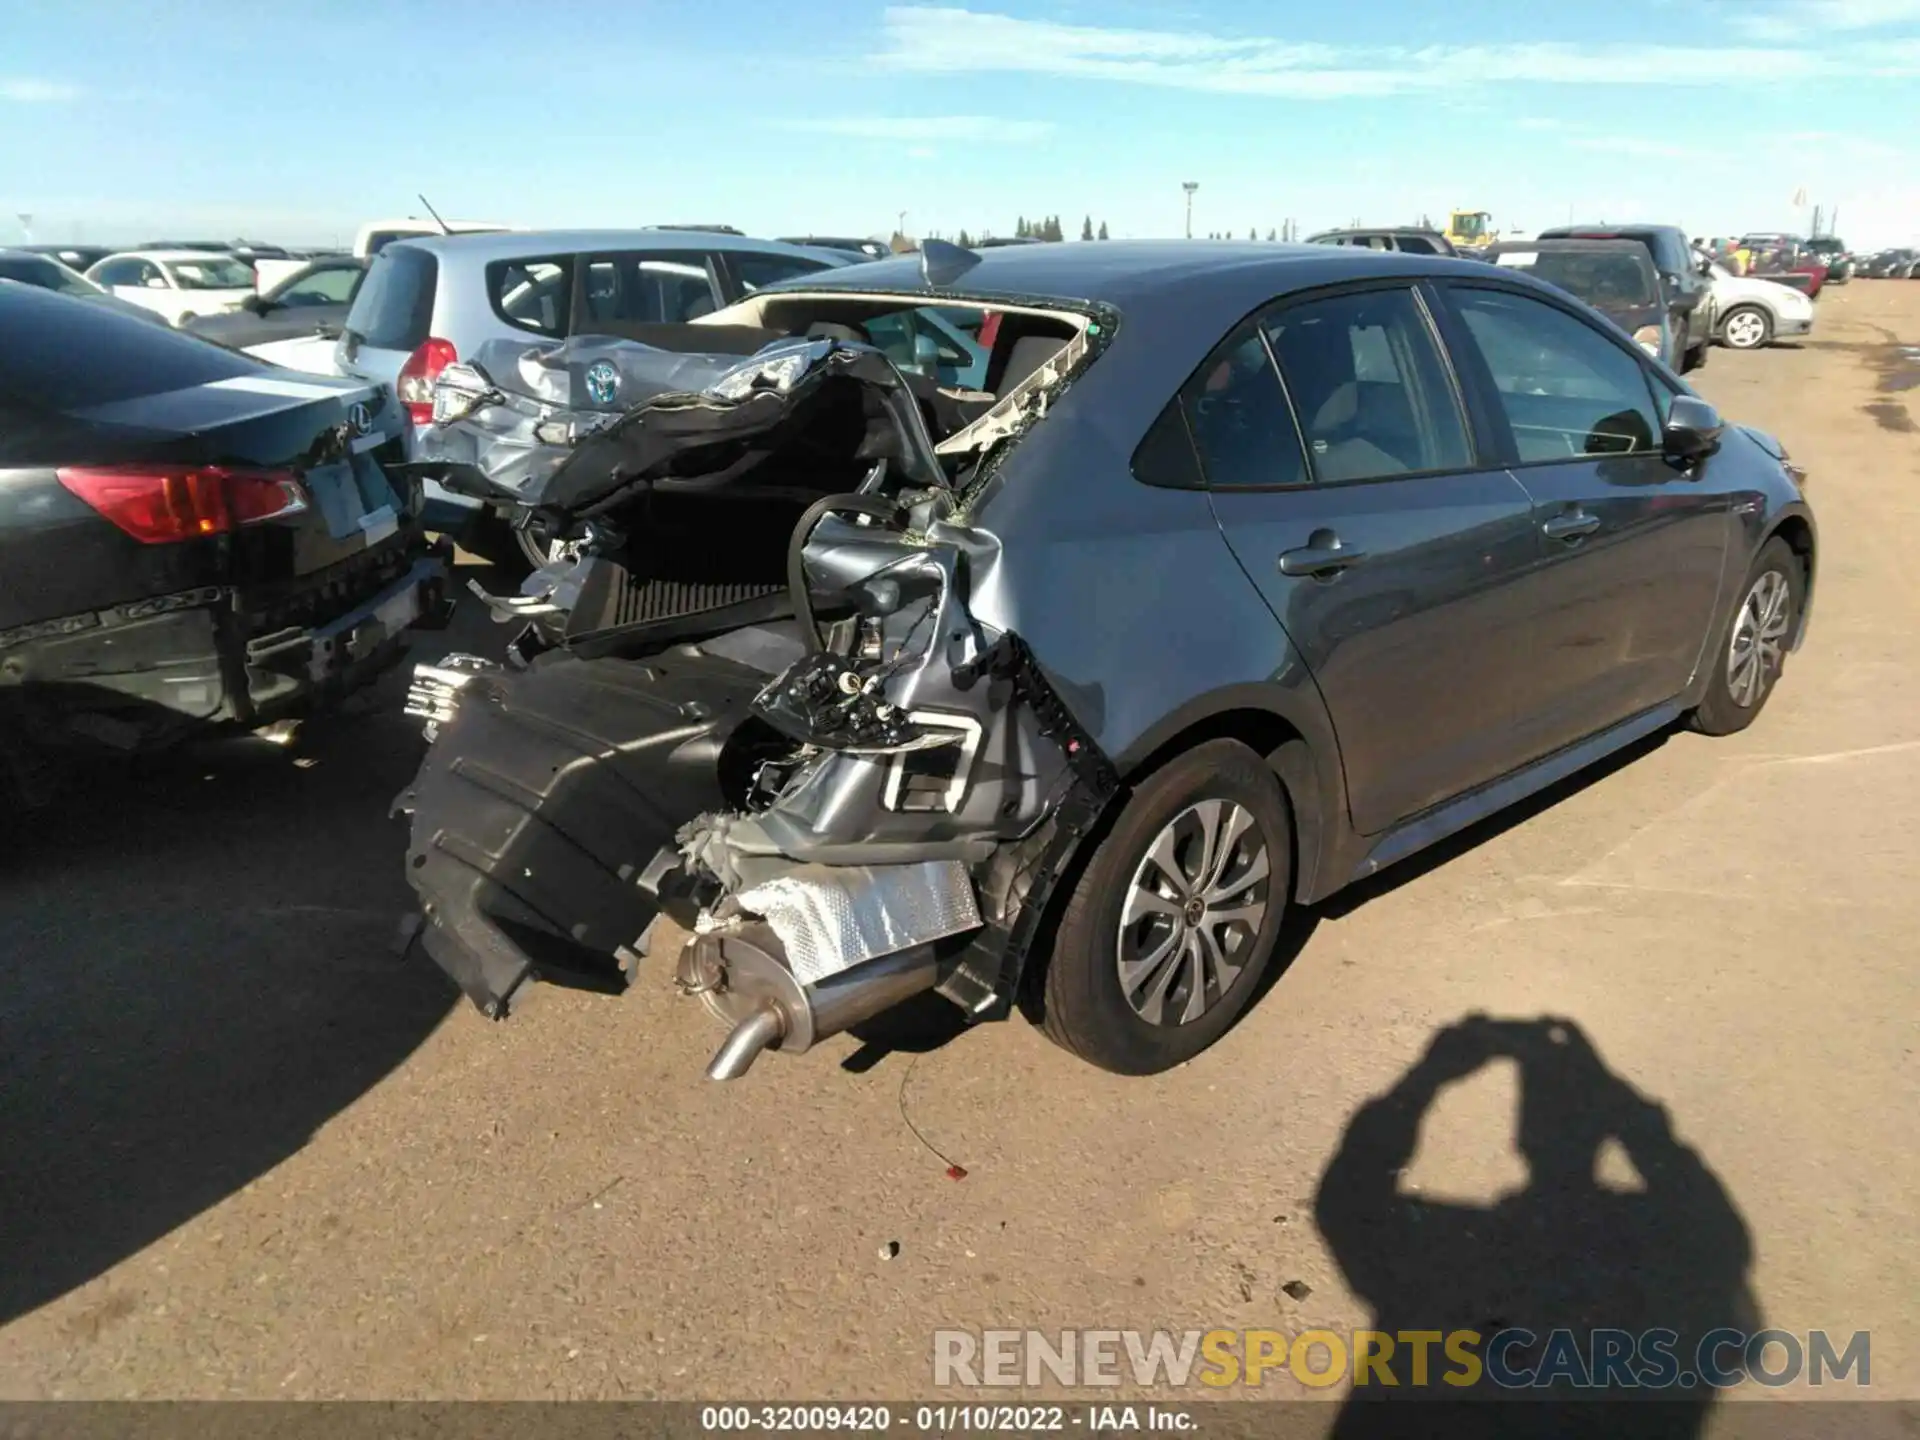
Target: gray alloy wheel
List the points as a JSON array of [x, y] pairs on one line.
[[1168, 928], [1757, 645], [1748, 661], [1194, 907], [1746, 328]]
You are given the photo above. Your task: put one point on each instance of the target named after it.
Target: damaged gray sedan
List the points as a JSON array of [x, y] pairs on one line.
[[1247, 571]]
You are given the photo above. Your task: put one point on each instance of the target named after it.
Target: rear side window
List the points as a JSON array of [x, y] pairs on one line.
[[533, 294], [1369, 385], [394, 307], [1166, 458], [1567, 390], [755, 271], [651, 288], [68, 355], [1418, 245], [1239, 418]]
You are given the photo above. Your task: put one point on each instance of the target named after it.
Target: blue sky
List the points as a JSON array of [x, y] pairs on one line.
[[120, 121]]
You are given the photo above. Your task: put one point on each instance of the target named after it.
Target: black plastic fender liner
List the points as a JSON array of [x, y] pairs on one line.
[[540, 804]]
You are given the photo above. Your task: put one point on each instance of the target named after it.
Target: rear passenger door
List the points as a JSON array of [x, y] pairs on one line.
[[1353, 498], [1629, 548]]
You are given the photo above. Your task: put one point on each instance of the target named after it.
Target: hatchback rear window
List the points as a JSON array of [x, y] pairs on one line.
[[67, 355], [394, 309]]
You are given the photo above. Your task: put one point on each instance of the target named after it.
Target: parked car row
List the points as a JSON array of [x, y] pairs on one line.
[[839, 609], [1898, 264]]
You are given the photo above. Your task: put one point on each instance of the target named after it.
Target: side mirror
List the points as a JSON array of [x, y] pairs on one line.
[[155, 282], [1693, 430], [926, 351], [258, 304]]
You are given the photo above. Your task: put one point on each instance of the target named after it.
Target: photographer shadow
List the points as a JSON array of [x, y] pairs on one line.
[[1657, 1245]]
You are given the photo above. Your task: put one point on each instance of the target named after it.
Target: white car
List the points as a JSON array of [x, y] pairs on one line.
[[178, 284], [376, 235], [1749, 312]]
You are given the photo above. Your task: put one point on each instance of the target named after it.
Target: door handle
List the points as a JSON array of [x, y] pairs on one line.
[[1320, 561], [1570, 526]]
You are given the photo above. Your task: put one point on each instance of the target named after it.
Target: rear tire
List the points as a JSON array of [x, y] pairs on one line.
[[1184, 896], [1751, 650], [1746, 327]]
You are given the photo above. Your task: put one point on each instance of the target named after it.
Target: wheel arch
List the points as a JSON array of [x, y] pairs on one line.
[[1797, 530], [1297, 743]]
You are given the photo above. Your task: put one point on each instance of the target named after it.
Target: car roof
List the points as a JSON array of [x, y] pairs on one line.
[[1571, 242], [1120, 271], [1377, 230], [1554, 232], [21, 252], [527, 244], [169, 255]]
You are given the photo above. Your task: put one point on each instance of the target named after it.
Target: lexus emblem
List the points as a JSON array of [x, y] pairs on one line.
[[360, 417]]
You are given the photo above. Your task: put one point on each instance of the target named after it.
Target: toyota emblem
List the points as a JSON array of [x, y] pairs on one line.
[[360, 417]]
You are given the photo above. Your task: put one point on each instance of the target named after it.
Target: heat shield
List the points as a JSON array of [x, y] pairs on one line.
[[832, 917]]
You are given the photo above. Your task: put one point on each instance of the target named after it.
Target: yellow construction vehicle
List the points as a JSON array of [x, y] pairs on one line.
[[1470, 229]]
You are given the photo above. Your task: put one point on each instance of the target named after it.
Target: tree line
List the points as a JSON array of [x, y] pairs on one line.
[[1049, 228]]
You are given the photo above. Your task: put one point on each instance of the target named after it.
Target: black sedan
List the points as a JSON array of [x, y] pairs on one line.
[[313, 300], [1245, 572], [188, 538]]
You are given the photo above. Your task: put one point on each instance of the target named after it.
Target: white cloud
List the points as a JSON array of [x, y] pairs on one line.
[[919, 129], [1810, 19], [25, 90], [956, 41]]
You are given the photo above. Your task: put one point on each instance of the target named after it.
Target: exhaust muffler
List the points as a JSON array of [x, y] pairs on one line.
[[743, 977]]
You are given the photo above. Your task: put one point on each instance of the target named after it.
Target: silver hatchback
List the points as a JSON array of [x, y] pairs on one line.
[[429, 302]]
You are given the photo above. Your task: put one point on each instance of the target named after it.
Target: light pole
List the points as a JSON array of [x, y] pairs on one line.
[[1189, 186]]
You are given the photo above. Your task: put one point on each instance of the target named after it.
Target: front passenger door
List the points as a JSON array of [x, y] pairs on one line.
[[1386, 551], [1629, 547]]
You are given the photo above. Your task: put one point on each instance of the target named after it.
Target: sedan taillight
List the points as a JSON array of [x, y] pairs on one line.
[[165, 504]]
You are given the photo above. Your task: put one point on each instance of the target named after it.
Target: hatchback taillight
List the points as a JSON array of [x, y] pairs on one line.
[[165, 504], [415, 384]]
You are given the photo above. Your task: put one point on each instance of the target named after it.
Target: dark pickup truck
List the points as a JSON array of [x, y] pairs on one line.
[[1684, 281]]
